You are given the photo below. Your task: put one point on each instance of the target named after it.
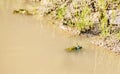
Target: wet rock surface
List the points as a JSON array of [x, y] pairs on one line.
[[110, 42]]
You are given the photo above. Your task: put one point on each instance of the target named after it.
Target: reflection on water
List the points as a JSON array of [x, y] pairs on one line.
[[28, 46]]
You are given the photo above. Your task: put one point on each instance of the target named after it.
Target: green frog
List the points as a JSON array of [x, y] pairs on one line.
[[73, 48]]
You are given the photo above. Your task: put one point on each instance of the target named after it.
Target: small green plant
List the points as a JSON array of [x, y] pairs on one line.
[[103, 19], [83, 18], [61, 12], [104, 23]]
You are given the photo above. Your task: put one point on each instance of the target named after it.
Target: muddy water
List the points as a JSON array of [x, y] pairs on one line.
[[29, 46]]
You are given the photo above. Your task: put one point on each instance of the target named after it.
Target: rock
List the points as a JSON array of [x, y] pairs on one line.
[[114, 19], [70, 29]]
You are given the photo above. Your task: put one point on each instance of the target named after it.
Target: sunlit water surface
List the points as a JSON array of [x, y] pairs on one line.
[[30, 46]]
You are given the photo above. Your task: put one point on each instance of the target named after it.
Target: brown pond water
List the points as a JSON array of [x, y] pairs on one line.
[[29, 46]]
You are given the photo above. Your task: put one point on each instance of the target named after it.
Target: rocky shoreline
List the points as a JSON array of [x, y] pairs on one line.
[[110, 42]]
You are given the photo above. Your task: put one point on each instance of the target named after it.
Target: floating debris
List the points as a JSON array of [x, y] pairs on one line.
[[74, 48], [26, 12]]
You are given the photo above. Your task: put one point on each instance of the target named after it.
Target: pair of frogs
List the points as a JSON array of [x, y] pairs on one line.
[[25, 12]]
